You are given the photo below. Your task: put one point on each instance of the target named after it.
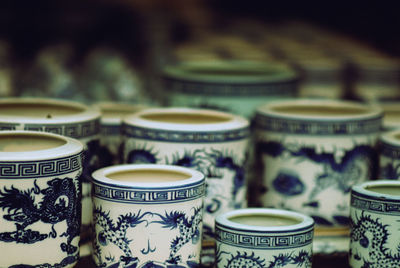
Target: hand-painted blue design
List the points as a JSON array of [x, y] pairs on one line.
[[115, 233], [142, 156], [288, 183], [301, 259], [149, 249], [59, 203], [213, 206], [390, 171], [344, 220], [373, 235], [91, 159], [106, 158], [64, 262], [189, 230], [154, 264], [190, 160], [321, 221]]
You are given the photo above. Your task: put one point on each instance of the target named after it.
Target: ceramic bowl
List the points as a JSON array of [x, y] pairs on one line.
[[212, 142], [310, 153], [236, 87], [147, 216], [40, 199], [67, 118], [375, 212], [261, 237]]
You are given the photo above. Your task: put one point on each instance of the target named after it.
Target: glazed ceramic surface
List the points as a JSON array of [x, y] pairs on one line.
[[111, 130], [391, 115], [40, 199], [237, 87], [209, 141], [375, 213], [389, 155], [260, 237], [311, 152], [147, 216], [66, 118]]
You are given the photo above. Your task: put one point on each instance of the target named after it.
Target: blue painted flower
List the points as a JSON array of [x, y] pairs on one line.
[[288, 183]]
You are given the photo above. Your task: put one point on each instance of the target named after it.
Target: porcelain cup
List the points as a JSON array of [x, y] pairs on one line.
[[375, 214], [263, 237], [389, 155], [212, 142], [67, 118], [147, 215], [40, 199], [310, 153]]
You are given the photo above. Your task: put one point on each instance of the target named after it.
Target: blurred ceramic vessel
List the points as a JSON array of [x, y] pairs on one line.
[[389, 155]]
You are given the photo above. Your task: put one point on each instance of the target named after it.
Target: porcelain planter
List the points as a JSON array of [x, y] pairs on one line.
[[40, 199]]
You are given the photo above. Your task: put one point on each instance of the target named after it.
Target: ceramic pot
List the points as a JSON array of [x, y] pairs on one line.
[[261, 237], [111, 138], [66, 118], [147, 216], [209, 141], [375, 213], [236, 87], [391, 115], [389, 155], [40, 199], [310, 153]]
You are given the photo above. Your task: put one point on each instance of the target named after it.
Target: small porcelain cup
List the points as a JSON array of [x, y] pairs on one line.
[[67, 118], [389, 155], [40, 199], [147, 216], [262, 237], [111, 138], [375, 214], [212, 142], [311, 152]]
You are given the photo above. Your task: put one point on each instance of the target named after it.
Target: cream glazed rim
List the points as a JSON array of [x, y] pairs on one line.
[[224, 121], [366, 111], [100, 176], [391, 137], [69, 146], [362, 189], [305, 223], [83, 112], [123, 107]]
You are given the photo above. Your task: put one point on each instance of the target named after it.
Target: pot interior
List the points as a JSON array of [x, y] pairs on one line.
[[26, 142], [265, 220], [148, 175], [186, 118]]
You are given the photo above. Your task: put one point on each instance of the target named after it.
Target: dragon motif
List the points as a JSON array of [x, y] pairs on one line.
[[372, 235], [189, 230], [59, 203], [116, 233], [390, 171]]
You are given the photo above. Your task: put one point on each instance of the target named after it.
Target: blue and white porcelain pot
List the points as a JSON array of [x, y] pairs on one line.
[[261, 237], [147, 216], [389, 155], [375, 214], [311, 152], [212, 142], [40, 199]]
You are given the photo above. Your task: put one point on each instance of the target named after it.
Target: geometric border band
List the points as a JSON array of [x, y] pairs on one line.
[[389, 150], [379, 206]]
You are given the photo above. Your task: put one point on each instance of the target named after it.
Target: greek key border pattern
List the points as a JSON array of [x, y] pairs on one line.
[[286, 88], [146, 196], [389, 150], [318, 127], [76, 130], [183, 137], [8, 126], [376, 206], [39, 169], [114, 130], [264, 241]]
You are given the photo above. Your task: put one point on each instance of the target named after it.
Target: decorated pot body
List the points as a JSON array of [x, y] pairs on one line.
[[261, 237], [236, 87], [111, 137], [389, 155], [374, 212], [147, 216], [66, 118], [311, 152], [209, 141], [391, 115], [40, 199]]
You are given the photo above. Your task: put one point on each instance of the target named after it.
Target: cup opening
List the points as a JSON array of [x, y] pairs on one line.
[[118, 110], [391, 189], [265, 220], [39, 110], [320, 110], [149, 176], [186, 118], [227, 71], [28, 142]]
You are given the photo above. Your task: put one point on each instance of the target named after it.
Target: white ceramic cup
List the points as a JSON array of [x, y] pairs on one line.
[[40, 199], [212, 142], [310, 153], [261, 237], [67, 118], [389, 155], [375, 214], [147, 216]]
